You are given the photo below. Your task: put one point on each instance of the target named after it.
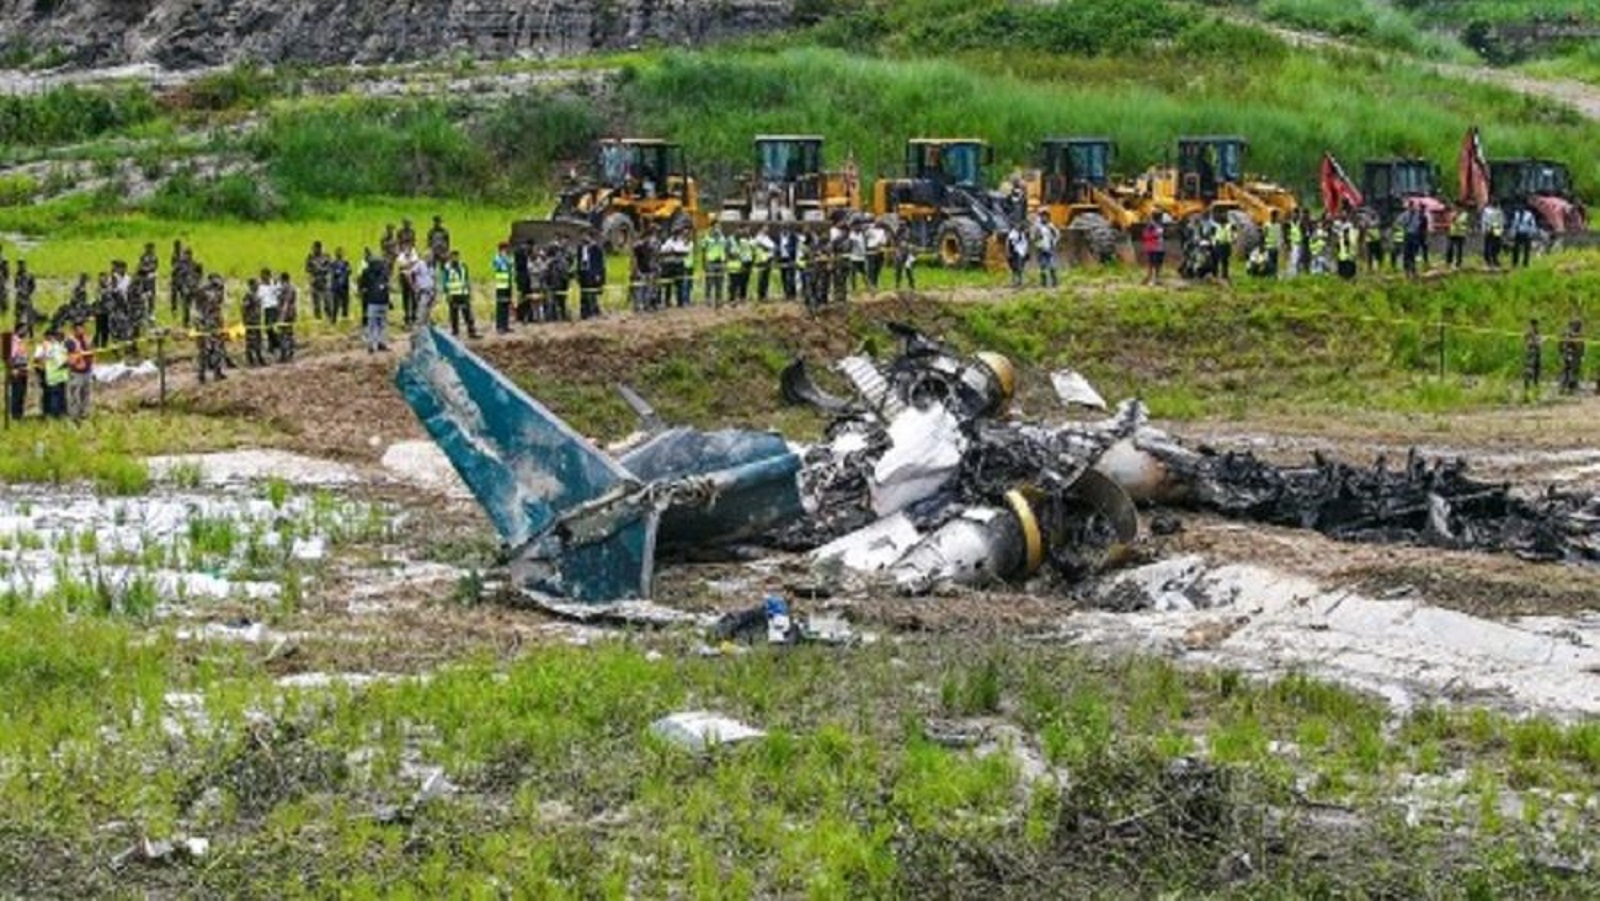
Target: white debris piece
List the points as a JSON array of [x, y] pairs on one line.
[[924, 454], [1075, 390], [698, 730], [1263, 621], [106, 373], [871, 548]]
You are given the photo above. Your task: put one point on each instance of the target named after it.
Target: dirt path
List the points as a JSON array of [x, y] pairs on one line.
[[1585, 98]]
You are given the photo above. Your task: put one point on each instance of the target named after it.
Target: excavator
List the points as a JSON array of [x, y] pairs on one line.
[[791, 184], [635, 183], [943, 204], [1073, 184], [1210, 176], [1389, 186], [1545, 186]]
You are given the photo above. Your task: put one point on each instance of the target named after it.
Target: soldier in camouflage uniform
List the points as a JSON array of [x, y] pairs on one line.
[[75, 310], [319, 270], [1572, 357], [1532, 358], [186, 284], [841, 267], [102, 309], [250, 314], [175, 265], [288, 311], [25, 286], [439, 242], [210, 325], [149, 265], [389, 246], [119, 310]]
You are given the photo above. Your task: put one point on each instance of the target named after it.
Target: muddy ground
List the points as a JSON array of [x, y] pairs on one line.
[[339, 404]]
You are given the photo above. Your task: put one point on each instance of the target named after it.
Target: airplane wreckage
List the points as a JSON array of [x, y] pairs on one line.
[[924, 478]]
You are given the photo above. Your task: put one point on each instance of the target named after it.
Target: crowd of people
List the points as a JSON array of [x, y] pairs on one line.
[[815, 263], [1301, 244]]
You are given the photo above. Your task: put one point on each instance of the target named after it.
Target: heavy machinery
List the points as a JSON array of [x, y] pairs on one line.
[[1395, 184], [1389, 186], [942, 201], [1073, 184], [1209, 176], [1543, 185], [791, 184], [635, 183]]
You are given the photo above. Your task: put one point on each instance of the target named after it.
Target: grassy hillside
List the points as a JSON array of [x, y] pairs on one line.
[[253, 145], [1292, 105]]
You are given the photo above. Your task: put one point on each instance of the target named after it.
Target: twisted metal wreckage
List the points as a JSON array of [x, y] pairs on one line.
[[922, 479]]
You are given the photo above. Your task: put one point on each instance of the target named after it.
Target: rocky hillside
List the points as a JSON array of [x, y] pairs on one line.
[[182, 34]]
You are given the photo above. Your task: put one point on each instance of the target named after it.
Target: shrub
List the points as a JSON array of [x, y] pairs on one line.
[[189, 197], [526, 135], [367, 148], [245, 86], [72, 114], [16, 190]]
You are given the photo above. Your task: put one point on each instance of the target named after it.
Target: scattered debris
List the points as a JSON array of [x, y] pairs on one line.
[[162, 851], [919, 483], [699, 730]]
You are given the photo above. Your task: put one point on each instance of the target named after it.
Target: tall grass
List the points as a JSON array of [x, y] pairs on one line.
[[358, 148], [921, 26], [72, 114], [1291, 105]]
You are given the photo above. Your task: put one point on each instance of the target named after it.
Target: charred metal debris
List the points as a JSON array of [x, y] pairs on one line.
[[924, 477]]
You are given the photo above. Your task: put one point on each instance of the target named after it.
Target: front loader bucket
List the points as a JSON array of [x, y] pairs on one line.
[[538, 232]]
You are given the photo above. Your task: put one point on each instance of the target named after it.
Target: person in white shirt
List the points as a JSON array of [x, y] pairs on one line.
[[1017, 253], [877, 247], [404, 264], [267, 295]]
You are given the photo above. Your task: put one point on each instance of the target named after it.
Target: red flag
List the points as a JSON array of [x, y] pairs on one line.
[[1473, 171], [1338, 191]]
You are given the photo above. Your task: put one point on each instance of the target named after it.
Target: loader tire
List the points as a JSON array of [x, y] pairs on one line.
[[961, 243], [616, 230], [1095, 234]]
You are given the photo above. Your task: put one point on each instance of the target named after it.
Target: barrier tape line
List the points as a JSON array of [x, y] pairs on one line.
[[621, 297]]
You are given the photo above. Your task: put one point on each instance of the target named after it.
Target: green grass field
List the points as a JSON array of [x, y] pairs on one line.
[[560, 791]]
